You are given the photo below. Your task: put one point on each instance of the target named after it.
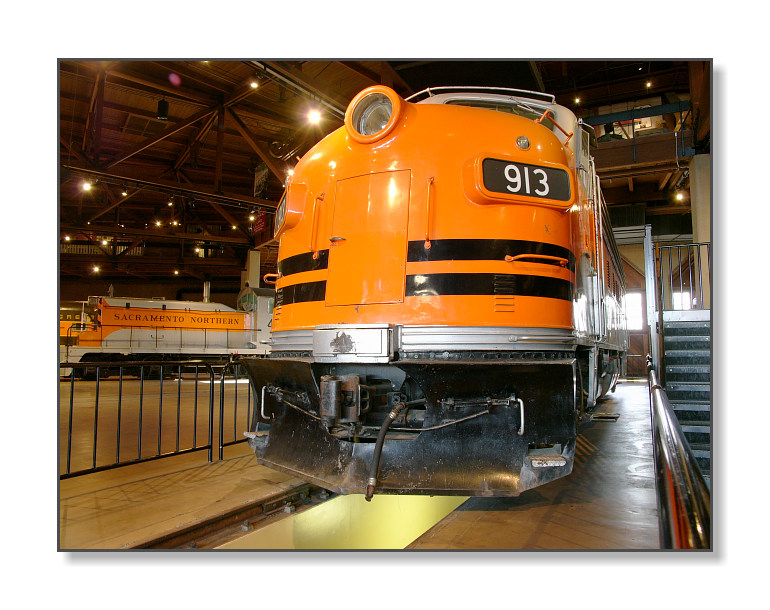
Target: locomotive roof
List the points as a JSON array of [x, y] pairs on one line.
[[162, 303]]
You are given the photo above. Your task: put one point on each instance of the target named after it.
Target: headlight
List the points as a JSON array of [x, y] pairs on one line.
[[373, 114]]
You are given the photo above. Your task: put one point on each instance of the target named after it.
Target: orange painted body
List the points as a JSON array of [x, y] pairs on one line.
[[365, 202]]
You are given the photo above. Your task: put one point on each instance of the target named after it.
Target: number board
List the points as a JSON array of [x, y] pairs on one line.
[[523, 179]]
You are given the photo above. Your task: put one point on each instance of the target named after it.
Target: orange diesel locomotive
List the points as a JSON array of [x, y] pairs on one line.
[[448, 302]]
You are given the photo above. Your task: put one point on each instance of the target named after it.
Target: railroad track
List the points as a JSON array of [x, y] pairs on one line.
[[218, 530]]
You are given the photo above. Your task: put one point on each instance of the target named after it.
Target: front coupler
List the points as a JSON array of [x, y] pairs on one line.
[[489, 428]]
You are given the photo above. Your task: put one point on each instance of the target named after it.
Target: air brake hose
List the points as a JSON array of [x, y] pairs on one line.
[[373, 469]]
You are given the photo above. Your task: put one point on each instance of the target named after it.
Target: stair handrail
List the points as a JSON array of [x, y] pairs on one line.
[[684, 499]]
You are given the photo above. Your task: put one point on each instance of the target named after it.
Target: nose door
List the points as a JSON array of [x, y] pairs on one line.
[[367, 249]]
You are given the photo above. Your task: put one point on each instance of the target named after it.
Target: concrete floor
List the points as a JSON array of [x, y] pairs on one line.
[[608, 502]]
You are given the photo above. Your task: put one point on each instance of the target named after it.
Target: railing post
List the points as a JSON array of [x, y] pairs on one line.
[[652, 296]]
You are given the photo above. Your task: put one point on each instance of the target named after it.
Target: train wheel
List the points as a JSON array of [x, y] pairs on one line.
[[151, 371]]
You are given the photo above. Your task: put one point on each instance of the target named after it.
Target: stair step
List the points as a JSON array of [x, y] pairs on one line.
[[692, 414], [702, 437], [687, 328], [688, 373], [699, 426], [686, 391], [687, 342], [688, 356], [690, 405]]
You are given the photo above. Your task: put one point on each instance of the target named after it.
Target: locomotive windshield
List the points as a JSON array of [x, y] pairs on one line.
[[503, 106]]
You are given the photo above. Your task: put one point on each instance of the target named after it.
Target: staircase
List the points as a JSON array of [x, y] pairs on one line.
[[687, 363]]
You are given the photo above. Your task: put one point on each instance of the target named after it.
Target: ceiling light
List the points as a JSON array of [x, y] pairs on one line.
[[197, 249], [104, 242], [86, 186], [157, 223], [251, 217], [649, 84], [235, 227], [679, 196], [66, 238], [290, 172], [96, 269], [314, 117], [254, 84], [176, 272], [124, 192], [175, 223]]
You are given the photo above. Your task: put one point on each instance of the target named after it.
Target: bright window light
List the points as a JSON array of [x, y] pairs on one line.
[[681, 301], [634, 310]]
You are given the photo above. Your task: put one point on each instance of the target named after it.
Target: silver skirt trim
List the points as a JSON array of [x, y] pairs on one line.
[[370, 342]]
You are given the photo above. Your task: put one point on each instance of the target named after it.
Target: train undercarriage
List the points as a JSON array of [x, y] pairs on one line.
[[442, 423]]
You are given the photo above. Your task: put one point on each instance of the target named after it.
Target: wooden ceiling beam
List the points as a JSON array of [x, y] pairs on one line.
[[114, 202], [95, 92], [263, 153], [190, 75], [305, 84], [133, 245], [218, 262], [170, 130], [664, 180], [668, 81], [165, 88], [156, 235], [700, 96], [174, 188], [234, 223], [385, 75], [80, 156], [667, 209], [196, 140]]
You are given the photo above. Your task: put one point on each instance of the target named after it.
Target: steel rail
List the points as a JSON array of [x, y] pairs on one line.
[[215, 531], [684, 499]]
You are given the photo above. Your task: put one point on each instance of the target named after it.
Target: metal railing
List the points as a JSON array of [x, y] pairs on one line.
[[133, 421], [684, 277], [684, 499]]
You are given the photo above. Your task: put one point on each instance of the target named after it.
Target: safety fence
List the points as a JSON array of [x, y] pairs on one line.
[[132, 412], [684, 274], [684, 499]]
